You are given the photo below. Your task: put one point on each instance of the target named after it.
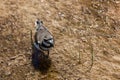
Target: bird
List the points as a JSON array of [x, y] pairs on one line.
[[44, 40]]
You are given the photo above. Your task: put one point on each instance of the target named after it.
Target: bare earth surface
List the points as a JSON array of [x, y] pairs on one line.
[[87, 39]]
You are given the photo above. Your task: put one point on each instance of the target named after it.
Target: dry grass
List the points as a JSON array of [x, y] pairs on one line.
[[85, 31]]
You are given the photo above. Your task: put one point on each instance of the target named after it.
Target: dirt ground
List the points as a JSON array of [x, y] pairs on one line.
[[86, 32]]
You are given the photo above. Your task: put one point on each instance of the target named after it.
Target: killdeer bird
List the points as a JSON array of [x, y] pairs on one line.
[[43, 38]]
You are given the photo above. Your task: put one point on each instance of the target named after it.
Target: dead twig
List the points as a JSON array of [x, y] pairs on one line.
[[92, 56], [31, 37]]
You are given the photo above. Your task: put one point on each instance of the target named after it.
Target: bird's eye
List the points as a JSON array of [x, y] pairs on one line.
[[45, 40], [37, 22]]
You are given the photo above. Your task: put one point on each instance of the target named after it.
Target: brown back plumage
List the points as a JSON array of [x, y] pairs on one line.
[[43, 37]]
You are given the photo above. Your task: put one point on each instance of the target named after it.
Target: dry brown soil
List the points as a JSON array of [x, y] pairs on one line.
[[86, 32]]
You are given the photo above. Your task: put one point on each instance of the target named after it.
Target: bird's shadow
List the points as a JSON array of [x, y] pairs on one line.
[[40, 61]]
